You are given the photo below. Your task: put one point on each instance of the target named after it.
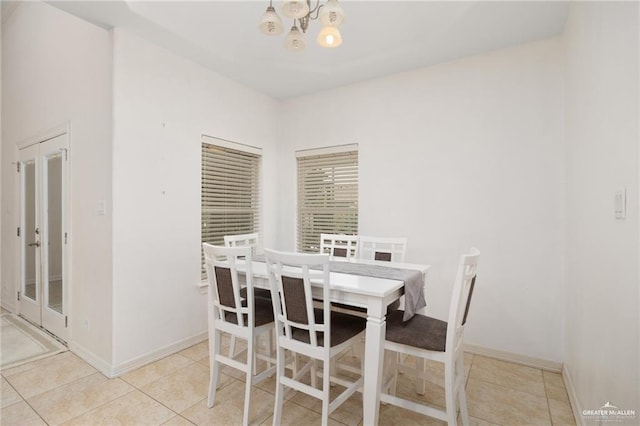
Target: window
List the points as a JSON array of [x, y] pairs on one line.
[[230, 190], [327, 194]]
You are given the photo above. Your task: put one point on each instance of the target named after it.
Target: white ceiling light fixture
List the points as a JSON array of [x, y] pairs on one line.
[[330, 15], [270, 24]]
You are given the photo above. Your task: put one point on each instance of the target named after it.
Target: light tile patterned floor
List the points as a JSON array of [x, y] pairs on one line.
[[64, 390]]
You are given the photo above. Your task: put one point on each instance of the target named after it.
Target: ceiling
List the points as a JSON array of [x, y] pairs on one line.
[[379, 37]]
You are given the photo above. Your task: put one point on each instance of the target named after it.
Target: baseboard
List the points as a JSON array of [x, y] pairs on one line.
[[131, 365], [8, 306], [573, 398], [114, 371], [528, 361], [92, 359]]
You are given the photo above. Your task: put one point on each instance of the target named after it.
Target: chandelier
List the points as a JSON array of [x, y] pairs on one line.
[[330, 15]]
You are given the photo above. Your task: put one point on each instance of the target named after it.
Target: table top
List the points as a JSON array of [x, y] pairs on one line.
[[356, 284], [400, 265]]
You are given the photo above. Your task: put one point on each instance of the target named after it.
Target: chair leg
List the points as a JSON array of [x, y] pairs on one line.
[[326, 386], [395, 369], [269, 338], [462, 395], [314, 374], [232, 346], [421, 366], [449, 391], [401, 359], [249, 382], [214, 369], [280, 372], [334, 370]]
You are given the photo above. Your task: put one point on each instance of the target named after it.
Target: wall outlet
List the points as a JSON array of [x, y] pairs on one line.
[[620, 204], [86, 324]]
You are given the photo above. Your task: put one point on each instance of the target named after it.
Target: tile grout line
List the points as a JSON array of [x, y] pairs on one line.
[[513, 388], [159, 378], [134, 388], [197, 402], [98, 406], [23, 399]]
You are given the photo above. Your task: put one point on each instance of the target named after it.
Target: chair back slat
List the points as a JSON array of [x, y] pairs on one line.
[[290, 277], [384, 249], [461, 298], [338, 245]]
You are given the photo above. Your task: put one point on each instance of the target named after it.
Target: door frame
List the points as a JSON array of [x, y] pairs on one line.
[[64, 129]]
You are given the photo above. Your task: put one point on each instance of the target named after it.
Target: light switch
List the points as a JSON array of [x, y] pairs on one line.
[[102, 207], [620, 204]]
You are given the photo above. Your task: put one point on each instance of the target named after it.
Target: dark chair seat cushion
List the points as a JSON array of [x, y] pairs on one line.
[[391, 308], [263, 312], [420, 331], [343, 328], [257, 292]]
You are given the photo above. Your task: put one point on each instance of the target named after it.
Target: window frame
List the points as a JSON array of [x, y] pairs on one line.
[[251, 154], [340, 153]]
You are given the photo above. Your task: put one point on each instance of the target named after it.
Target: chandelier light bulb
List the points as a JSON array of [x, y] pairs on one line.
[[331, 14], [294, 40], [329, 37], [295, 9], [270, 24]]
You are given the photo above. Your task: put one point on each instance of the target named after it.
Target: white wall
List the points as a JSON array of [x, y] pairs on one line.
[[602, 135], [56, 69], [162, 106], [467, 153]]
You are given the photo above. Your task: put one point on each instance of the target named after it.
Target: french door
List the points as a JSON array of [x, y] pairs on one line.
[[42, 297]]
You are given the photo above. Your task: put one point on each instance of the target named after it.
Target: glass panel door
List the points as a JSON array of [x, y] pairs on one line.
[[54, 277], [29, 235], [53, 156], [43, 266]]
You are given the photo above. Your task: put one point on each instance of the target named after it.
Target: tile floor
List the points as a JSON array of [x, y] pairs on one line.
[[64, 390]]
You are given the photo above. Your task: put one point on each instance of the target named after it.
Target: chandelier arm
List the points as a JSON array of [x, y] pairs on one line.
[[315, 10], [304, 23]]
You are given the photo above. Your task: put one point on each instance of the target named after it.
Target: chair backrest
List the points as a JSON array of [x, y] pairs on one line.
[[385, 249], [290, 276], [338, 245], [461, 299], [241, 240], [221, 264]]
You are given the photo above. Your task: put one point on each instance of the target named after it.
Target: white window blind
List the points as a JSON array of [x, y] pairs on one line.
[[230, 190], [327, 195]]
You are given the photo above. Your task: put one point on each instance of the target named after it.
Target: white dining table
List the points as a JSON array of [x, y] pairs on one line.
[[374, 294]]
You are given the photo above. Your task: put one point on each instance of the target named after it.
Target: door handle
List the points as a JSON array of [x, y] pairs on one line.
[[37, 244]]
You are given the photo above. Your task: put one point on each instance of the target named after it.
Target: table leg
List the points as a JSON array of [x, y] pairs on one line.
[[373, 362]]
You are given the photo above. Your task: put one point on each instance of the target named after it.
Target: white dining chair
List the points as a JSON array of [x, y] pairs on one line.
[[318, 334], [339, 245], [229, 312], [241, 240], [380, 248], [245, 240], [429, 338]]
